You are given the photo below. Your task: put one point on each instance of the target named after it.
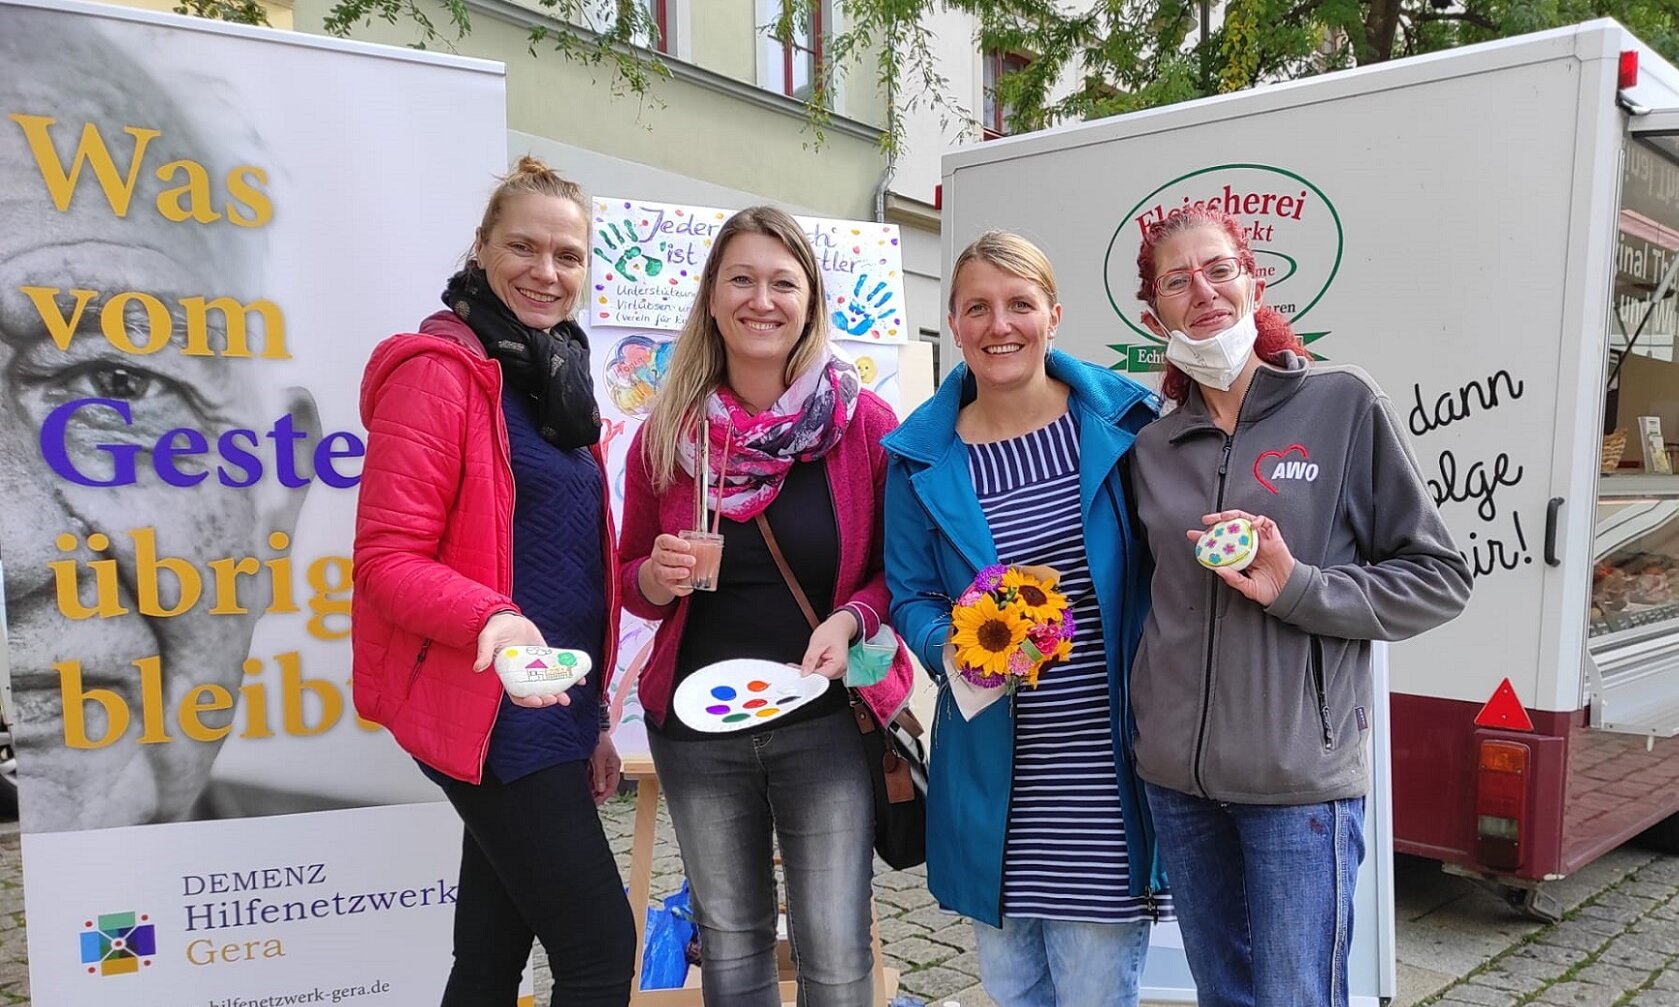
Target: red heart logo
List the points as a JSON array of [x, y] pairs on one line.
[[1278, 455]]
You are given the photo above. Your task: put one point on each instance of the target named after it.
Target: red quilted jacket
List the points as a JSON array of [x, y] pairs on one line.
[[434, 543]]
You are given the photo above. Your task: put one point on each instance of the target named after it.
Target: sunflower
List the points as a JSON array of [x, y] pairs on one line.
[[985, 635], [1035, 599]]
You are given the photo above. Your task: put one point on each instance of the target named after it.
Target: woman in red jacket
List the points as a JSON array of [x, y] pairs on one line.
[[451, 565], [796, 440]]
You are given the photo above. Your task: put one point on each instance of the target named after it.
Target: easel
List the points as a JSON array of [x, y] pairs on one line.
[[640, 769]]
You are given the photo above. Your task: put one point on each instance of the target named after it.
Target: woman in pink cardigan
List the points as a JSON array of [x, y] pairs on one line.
[[795, 438]]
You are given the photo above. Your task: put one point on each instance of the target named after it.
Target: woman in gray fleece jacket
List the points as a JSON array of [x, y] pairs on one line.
[[1252, 689]]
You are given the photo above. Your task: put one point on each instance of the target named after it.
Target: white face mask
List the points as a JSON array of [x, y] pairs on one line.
[[1218, 359]]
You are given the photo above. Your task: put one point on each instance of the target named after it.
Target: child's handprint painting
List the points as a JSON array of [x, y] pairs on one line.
[[863, 276], [648, 259]]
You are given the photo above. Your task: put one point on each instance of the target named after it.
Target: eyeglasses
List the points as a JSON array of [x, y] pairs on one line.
[[1177, 281]]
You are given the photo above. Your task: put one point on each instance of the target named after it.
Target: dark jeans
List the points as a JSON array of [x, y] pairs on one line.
[[1264, 895], [807, 784], [535, 863]]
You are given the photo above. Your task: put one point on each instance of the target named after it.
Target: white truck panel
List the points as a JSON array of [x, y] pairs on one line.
[[1445, 212]]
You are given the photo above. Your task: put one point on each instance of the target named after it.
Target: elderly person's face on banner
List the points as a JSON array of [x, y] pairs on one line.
[[136, 547]]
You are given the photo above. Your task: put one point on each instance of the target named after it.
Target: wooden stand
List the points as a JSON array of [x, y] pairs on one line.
[[640, 769]]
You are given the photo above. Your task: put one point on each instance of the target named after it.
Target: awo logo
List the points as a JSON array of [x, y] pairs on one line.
[[1272, 467], [1291, 225], [118, 943]]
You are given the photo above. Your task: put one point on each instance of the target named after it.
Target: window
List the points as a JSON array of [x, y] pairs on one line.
[[603, 15], [931, 336], [793, 67], [996, 114], [801, 56]]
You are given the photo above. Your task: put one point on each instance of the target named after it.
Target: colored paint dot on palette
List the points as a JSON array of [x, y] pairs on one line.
[[772, 711], [755, 687], [784, 700], [723, 692], [717, 711], [735, 718], [753, 704]]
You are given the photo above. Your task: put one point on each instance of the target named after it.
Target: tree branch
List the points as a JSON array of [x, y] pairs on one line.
[[1467, 17]]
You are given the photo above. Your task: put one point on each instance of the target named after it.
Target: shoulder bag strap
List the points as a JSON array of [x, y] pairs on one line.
[[787, 572]]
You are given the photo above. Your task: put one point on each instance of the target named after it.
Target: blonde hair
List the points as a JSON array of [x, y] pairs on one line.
[[1012, 254], [698, 362], [529, 175]]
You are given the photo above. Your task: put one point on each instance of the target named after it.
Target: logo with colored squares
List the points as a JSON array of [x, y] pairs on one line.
[[118, 943]]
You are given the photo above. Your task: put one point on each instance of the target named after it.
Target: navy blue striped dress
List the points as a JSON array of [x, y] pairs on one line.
[[1065, 855]]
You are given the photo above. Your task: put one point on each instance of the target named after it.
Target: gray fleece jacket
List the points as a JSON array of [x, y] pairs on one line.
[[1254, 705]]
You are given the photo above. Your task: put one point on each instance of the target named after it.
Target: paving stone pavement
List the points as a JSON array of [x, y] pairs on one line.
[[1617, 946]]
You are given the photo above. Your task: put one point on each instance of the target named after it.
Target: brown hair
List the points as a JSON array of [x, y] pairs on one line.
[[1012, 254], [1275, 335], [698, 362]]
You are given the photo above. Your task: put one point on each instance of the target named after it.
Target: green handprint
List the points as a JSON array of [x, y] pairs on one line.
[[627, 247]]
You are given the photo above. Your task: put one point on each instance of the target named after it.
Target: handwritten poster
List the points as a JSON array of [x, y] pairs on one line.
[[648, 259]]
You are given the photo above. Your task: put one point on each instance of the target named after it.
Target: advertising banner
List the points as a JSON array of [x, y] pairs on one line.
[[206, 230]]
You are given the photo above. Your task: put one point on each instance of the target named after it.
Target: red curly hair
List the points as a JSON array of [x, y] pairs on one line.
[[1275, 335]]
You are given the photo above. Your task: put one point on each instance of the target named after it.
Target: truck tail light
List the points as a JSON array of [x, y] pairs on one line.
[[1501, 803], [1628, 70]]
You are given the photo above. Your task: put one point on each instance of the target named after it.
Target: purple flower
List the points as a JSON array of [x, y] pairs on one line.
[[1067, 624], [980, 678], [990, 578]]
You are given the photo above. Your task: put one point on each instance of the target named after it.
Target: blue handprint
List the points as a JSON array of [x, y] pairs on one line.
[[628, 247], [861, 312]]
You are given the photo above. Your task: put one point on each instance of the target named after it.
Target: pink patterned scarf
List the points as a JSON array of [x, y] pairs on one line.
[[803, 425]]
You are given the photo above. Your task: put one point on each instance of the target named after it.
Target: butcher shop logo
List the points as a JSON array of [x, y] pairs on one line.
[[1292, 227]]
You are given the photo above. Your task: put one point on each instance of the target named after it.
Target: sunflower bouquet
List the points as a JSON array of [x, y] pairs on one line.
[[1008, 625]]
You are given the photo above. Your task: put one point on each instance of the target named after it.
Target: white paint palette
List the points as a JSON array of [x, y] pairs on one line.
[[540, 671], [743, 693], [1228, 545]]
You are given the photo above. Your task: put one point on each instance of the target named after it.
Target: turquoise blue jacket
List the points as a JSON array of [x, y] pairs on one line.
[[937, 540]]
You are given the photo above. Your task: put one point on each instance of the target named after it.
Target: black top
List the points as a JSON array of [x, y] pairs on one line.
[[753, 613]]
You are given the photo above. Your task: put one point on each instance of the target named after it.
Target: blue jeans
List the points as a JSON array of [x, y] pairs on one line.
[[1264, 895], [1059, 963], [808, 786]]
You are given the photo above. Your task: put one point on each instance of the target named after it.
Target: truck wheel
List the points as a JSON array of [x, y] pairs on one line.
[[1663, 837]]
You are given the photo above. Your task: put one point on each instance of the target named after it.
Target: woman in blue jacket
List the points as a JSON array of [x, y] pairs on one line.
[[1036, 827]]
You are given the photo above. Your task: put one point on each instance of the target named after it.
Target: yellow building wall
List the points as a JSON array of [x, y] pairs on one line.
[[702, 131], [279, 14]]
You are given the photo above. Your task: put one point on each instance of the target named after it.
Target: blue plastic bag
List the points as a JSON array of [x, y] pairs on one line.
[[664, 951]]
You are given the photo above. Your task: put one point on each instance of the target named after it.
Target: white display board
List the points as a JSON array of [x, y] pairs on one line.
[[204, 230]]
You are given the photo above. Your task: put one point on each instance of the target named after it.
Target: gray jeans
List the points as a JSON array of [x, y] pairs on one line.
[[808, 786]]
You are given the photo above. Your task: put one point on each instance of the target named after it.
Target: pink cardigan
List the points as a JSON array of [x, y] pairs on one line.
[[856, 470]]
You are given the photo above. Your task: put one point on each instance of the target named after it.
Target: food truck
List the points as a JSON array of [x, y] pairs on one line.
[[1492, 232]]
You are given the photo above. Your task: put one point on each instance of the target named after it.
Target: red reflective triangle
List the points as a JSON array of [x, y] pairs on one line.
[[1504, 710]]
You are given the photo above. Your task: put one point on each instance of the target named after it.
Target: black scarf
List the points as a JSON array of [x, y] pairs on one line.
[[551, 366]]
